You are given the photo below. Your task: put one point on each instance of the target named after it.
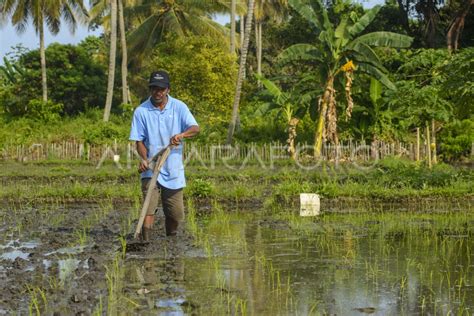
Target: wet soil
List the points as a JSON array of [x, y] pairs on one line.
[[59, 259], [45, 266]]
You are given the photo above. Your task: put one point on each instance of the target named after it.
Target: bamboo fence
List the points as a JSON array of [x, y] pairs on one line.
[[125, 152]]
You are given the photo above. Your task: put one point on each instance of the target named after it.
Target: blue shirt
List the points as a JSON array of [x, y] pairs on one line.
[[155, 127]]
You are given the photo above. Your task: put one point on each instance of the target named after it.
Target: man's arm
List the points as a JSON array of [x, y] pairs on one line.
[[143, 152], [190, 132]]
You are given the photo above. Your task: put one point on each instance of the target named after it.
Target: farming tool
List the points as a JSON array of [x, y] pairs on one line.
[[155, 163]]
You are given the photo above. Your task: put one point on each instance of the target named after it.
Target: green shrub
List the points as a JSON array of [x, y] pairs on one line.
[[200, 188], [104, 132], [456, 140], [75, 79], [203, 76], [44, 111], [401, 173], [288, 190]]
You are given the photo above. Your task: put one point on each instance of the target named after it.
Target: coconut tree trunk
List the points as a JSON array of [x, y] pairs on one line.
[[232, 25], [43, 63], [257, 51], [112, 53], [318, 136], [455, 30], [242, 30], [123, 44], [243, 59], [242, 37], [258, 46]]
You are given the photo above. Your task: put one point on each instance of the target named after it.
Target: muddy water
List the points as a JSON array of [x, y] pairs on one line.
[[257, 262], [383, 264]]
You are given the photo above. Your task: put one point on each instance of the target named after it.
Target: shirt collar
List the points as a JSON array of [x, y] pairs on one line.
[[151, 107]]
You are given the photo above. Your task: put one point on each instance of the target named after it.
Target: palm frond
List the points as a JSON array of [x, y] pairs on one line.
[[144, 37], [204, 26], [172, 24], [20, 16], [53, 24], [69, 16], [99, 9], [6, 8]]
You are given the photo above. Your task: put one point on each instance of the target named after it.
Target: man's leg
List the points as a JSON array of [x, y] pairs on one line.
[[173, 207], [152, 207]]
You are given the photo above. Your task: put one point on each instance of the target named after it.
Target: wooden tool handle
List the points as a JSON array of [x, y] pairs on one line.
[[156, 171]]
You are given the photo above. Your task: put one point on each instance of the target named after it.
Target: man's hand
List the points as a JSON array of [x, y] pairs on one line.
[[190, 132], [143, 166], [176, 139]]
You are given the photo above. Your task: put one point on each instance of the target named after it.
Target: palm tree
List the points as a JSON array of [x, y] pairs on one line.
[[233, 11], [156, 19], [112, 55], [123, 45], [339, 50], [101, 13], [235, 8], [265, 9], [240, 77], [43, 12]]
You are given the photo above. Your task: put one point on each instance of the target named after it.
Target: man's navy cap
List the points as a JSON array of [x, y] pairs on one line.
[[159, 79]]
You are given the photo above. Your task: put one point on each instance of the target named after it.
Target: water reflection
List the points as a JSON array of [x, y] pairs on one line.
[[380, 264]]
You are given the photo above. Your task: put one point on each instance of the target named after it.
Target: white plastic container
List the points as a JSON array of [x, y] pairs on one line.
[[309, 204]]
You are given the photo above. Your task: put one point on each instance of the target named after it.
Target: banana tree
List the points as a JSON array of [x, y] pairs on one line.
[[339, 50], [377, 119], [292, 105], [11, 71]]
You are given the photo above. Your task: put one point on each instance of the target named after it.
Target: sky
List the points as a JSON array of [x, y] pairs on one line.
[[9, 37]]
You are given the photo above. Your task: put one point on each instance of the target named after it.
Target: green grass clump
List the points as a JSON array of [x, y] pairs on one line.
[[390, 178]]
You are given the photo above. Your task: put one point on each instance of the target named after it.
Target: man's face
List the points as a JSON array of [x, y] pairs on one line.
[[158, 94]]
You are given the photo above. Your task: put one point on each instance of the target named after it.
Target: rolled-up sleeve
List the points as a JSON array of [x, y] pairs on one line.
[[137, 132]]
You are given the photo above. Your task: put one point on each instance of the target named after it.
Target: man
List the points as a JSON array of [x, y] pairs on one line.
[[159, 121]]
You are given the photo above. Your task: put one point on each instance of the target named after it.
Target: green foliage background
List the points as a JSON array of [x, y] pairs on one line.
[[77, 79], [431, 84], [203, 76]]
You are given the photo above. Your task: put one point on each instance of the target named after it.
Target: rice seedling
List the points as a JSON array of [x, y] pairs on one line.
[[81, 237], [114, 278], [99, 310], [38, 300]]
